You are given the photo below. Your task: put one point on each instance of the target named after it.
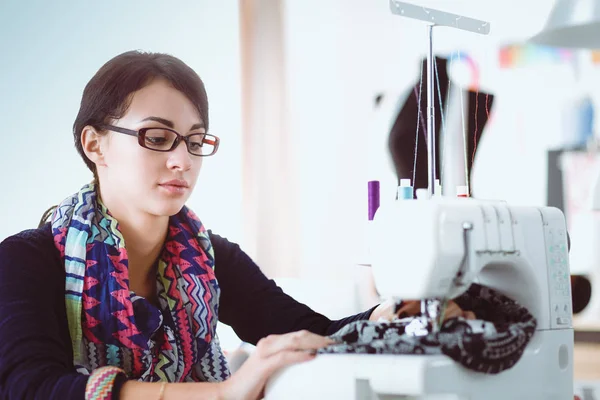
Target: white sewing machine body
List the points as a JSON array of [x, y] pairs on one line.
[[417, 250]]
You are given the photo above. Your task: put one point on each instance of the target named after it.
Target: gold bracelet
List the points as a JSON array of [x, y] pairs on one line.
[[161, 393]]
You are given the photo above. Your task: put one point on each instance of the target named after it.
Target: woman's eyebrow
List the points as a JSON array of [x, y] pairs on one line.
[[163, 121], [170, 124]]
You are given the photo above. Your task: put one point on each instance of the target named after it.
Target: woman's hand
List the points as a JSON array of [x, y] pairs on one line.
[[386, 310], [272, 353]]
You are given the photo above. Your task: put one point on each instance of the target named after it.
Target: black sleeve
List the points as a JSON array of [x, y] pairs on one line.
[[254, 306], [34, 361]]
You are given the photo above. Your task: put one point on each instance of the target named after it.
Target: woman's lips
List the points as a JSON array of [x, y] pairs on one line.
[[174, 188]]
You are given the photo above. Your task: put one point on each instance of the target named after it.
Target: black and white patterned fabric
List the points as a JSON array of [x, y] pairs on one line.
[[489, 344]]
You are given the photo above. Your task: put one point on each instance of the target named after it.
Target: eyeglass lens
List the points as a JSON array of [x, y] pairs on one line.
[[162, 140]]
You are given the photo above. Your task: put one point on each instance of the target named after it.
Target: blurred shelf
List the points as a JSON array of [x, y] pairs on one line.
[[586, 331], [587, 336]]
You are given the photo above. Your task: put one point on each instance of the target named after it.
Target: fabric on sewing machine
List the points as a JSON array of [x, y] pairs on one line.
[[490, 344]]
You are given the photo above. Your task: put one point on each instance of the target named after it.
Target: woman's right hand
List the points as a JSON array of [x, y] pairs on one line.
[[272, 353]]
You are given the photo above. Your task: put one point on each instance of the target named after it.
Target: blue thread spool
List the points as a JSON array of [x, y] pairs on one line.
[[405, 191]]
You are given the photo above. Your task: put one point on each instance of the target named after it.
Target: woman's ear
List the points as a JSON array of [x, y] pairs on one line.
[[91, 144]]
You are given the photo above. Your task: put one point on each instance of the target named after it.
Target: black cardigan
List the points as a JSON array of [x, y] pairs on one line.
[[36, 360]]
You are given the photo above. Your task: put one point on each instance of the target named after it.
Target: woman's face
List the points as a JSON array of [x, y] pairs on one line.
[[133, 177]]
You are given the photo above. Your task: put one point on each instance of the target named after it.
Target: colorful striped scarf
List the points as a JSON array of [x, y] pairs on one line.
[[110, 325]]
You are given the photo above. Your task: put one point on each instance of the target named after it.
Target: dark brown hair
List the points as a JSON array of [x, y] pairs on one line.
[[108, 94]]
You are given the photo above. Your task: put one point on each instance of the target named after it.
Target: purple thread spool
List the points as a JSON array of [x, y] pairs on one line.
[[373, 198]]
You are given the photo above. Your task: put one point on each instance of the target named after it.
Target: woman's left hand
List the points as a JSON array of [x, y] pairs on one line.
[[413, 307]]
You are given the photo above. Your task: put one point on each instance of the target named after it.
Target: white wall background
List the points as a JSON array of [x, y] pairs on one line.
[[50, 49]]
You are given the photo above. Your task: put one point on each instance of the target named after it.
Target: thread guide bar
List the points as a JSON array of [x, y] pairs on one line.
[[440, 18]]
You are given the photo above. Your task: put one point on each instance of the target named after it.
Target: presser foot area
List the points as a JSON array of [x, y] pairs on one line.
[[544, 372]]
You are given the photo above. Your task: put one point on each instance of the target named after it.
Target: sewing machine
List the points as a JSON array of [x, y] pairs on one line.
[[434, 249]]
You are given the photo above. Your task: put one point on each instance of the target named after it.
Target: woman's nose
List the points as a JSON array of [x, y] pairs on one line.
[[180, 158]]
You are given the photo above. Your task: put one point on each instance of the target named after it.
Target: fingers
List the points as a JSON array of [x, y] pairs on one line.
[[288, 357], [452, 311], [278, 351], [285, 358], [272, 353], [413, 307], [409, 308], [301, 341], [469, 315]]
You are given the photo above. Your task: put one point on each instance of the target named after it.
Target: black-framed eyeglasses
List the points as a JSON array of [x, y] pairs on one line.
[[165, 139]]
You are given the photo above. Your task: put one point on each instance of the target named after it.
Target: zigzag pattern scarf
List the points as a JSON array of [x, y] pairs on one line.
[[110, 325]]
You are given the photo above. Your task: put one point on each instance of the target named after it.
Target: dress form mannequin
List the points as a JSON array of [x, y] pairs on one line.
[[477, 106]]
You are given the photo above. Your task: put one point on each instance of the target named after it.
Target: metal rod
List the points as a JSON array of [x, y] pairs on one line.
[[430, 115]]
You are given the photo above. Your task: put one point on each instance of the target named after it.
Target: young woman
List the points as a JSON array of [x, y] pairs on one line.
[[118, 295]]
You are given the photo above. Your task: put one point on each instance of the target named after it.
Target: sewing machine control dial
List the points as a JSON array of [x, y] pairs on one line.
[[558, 276]]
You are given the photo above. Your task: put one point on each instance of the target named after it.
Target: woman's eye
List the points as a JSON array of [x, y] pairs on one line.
[[156, 140]]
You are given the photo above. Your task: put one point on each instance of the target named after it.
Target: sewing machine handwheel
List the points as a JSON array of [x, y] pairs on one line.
[[581, 292]]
